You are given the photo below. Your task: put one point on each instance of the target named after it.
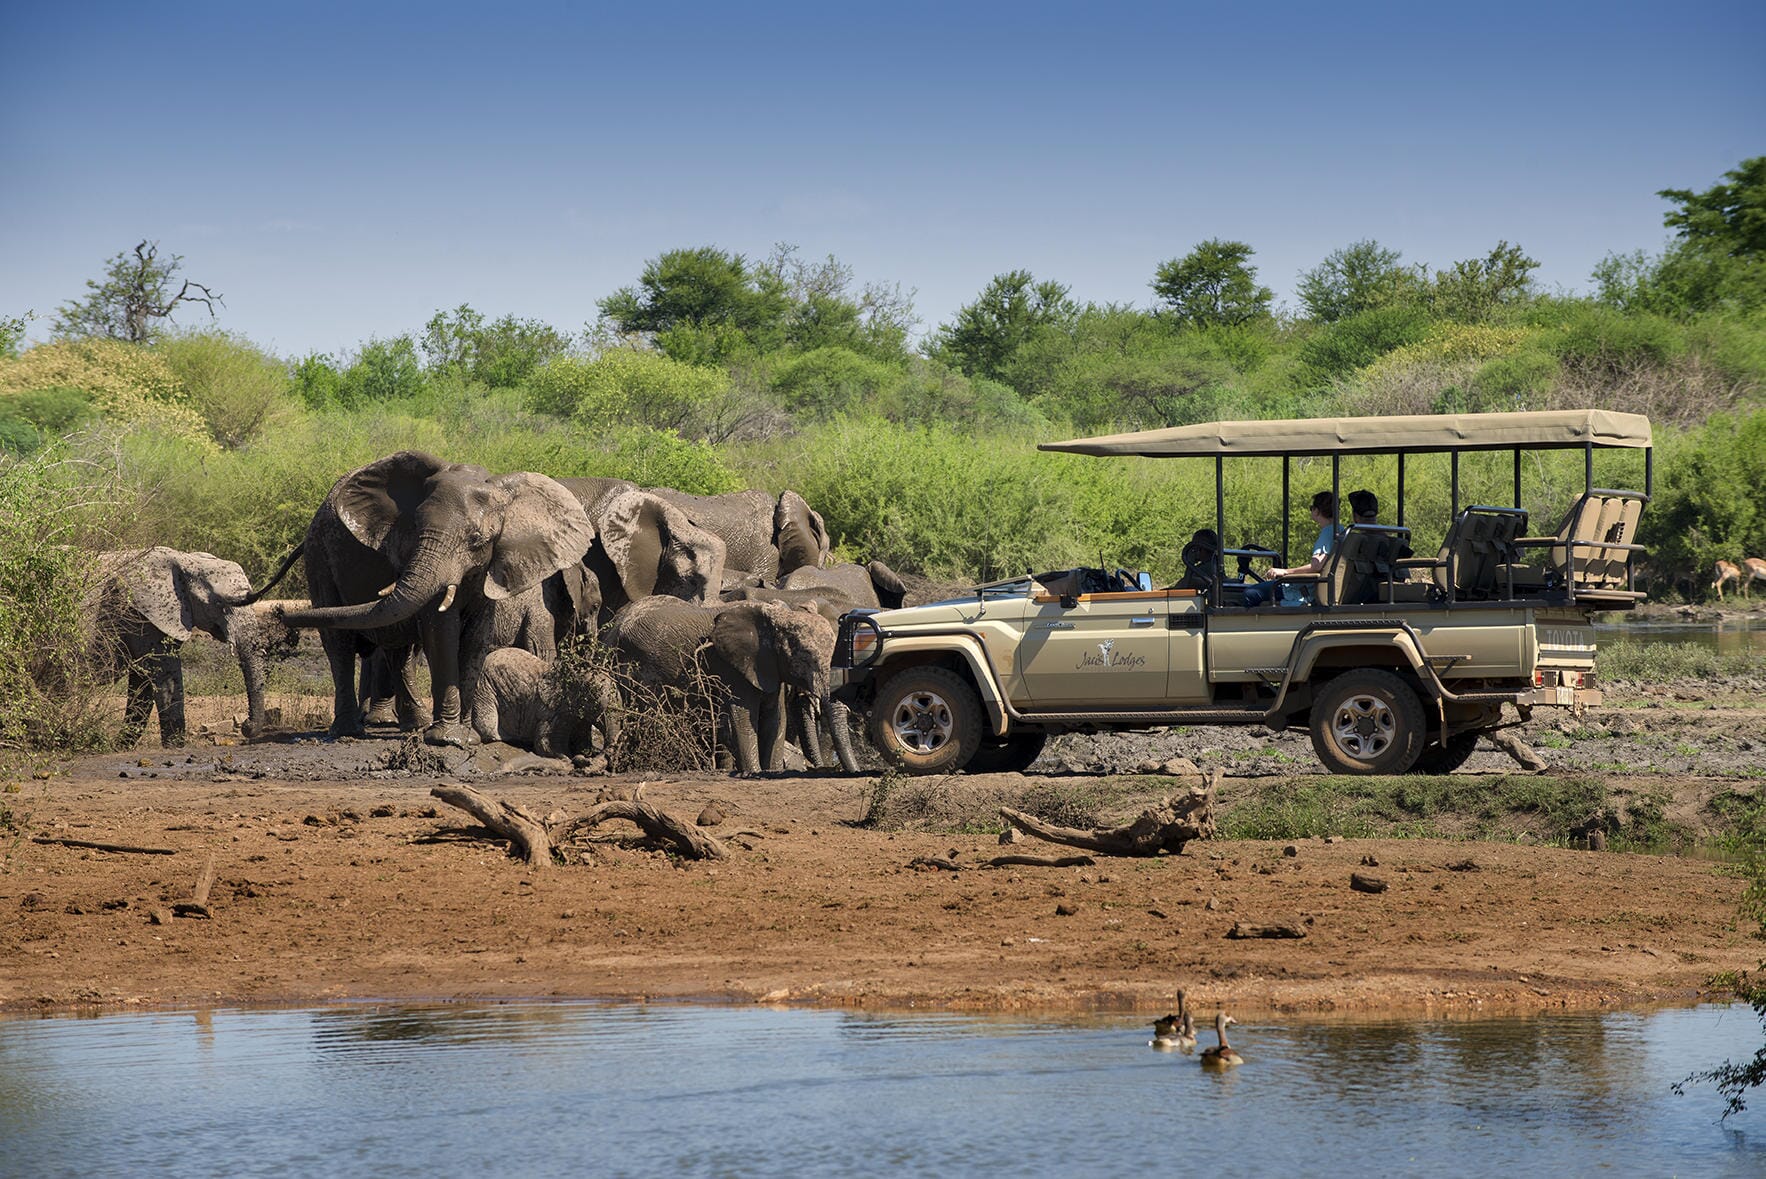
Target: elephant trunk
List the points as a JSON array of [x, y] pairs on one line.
[[840, 730], [428, 575], [809, 711], [244, 632]]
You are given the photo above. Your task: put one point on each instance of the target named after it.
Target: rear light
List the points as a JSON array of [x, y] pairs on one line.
[[1539, 677]]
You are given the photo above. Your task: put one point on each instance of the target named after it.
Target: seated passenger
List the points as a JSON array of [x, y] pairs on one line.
[[1200, 557], [1324, 514], [1365, 507]]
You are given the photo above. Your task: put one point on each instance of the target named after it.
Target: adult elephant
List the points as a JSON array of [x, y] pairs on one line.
[[644, 546], [412, 549], [148, 602], [751, 652], [875, 584]]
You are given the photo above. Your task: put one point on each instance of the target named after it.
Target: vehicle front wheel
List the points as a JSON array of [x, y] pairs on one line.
[[927, 720], [1367, 721], [1012, 755]]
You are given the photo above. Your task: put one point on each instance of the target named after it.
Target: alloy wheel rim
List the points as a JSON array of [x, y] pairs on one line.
[[1364, 726], [923, 722]]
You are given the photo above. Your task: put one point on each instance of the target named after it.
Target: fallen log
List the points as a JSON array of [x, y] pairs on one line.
[[504, 819], [684, 837], [1244, 929], [126, 848], [1166, 827], [1041, 861]]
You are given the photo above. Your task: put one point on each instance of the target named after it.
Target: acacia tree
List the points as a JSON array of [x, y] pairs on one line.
[[1730, 217], [1359, 277], [1472, 288], [1012, 311], [702, 305], [1214, 285], [135, 295]]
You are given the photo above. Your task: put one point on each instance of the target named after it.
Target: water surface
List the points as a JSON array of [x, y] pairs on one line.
[[582, 1088]]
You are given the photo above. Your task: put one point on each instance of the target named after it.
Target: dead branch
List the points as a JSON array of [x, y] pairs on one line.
[[1244, 929], [504, 819], [106, 847], [935, 862], [1166, 827], [683, 837], [197, 905], [1041, 861]]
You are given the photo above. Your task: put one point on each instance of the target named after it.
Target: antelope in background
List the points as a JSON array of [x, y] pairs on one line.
[[1750, 570]]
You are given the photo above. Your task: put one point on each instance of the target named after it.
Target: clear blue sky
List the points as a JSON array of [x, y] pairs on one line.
[[340, 171]]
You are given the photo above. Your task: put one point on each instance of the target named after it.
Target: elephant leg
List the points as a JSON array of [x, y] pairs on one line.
[[379, 688], [743, 711], [168, 697], [804, 715], [401, 665], [340, 652], [441, 644], [773, 719], [139, 708]]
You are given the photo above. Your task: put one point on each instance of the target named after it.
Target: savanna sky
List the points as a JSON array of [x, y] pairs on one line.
[[341, 171]]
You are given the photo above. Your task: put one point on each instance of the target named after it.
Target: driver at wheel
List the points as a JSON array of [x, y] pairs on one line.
[[1324, 514]]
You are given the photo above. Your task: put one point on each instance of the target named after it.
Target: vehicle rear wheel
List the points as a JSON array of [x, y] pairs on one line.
[[1012, 755], [1444, 759], [927, 720], [1367, 721]]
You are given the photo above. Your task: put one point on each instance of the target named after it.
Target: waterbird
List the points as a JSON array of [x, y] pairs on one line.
[[1222, 1054], [1175, 1031]]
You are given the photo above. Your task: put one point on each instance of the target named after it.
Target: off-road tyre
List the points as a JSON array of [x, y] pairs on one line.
[[927, 720], [1012, 755], [1444, 759], [1367, 721]]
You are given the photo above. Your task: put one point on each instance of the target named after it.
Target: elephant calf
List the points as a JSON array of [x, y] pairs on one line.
[[517, 700]]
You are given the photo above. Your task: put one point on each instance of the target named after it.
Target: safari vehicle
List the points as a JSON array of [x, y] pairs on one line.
[[1399, 663]]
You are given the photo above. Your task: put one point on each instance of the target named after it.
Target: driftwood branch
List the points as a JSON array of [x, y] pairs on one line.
[[1166, 827], [685, 838], [1041, 861], [504, 819], [1282, 929], [106, 847], [197, 905]]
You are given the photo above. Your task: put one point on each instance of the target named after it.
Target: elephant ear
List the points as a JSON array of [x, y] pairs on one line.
[[155, 586], [544, 530], [632, 525], [743, 635], [211, 588], [373, 500], [798, 530], [891, 591]]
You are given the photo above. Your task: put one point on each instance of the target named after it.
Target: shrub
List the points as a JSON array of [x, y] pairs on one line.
[[128, 383], [625, 386], [240, 390], [383, 370], [1599, 340], [827, 382], [1358, 340], [31, 418], [1520, 381]]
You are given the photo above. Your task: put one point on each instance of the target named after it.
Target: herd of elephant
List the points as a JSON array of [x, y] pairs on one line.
[[488, 575]]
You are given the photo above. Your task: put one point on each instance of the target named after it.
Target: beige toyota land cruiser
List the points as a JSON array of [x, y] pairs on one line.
[[1393, 662]]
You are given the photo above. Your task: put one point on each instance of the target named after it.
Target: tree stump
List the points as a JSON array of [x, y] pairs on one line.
[[504, 819]]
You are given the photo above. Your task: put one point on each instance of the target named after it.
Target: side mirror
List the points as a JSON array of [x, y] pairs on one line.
[[1144, 580]]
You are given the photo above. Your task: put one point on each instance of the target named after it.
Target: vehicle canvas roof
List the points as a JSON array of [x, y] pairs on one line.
[[1559, 429]]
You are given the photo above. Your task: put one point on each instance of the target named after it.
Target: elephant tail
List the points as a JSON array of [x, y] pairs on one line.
[[287, 564]]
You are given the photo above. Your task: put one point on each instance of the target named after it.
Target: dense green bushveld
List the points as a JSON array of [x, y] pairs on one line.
[[713, 371]]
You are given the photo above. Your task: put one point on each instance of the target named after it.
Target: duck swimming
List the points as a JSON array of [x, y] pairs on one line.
[[1174, 1032], [1222, 1054]]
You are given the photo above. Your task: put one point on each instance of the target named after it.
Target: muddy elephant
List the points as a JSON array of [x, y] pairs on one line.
[[817, 740], [644, 546], [517, 700], [765, 537], [148, 602], [875, 584], [414, 550], [750, 651]]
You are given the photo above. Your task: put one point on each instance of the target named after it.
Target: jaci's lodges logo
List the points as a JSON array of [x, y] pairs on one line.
[[1110, 658]]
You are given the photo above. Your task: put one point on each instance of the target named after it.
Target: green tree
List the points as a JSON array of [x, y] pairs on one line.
[[384, 370], [1728, 217], [702, 305], [1472, 289], [12, 333], [1213, 285], [825, 312], [1012, 313], [1361, 276], [501, 354], [137, 292]]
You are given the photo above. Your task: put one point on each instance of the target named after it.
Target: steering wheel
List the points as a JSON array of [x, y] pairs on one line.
[[1245, 569], [1126, 581]]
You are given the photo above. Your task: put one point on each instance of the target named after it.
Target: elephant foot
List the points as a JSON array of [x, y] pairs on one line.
[[381, 712], [450, 733], [339, 730]]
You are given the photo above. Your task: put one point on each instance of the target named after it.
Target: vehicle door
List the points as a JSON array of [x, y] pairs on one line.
[[1103, 649]]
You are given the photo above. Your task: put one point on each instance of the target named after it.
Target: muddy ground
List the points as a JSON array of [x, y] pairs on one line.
[[338, 876]]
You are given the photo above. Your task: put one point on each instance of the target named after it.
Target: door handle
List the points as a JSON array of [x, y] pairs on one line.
[[1140, 621]]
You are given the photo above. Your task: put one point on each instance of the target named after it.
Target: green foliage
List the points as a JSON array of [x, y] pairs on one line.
[[31, 418], [1013, 314], [1419, 806], [383, 370], [1357, 339], [826, 313], [626, 386], [1731, 217], [659, 458], [315, 380], [826, 382], [500, 354], [130, 385], [239, 390], [139, 290], [703, 305], [1601, 341], [1473, 289], [1360, 277], [54, 514], [1515, 382], [1710, 500], [12, 334], [1211, 286]]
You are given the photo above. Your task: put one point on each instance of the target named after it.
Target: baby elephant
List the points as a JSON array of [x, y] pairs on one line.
[[517, 700]]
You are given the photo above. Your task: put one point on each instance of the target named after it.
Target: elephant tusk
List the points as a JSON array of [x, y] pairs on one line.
[[447, 599], [388, 590]]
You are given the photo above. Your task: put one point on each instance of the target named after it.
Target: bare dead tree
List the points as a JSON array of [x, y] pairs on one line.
[[135, 293]]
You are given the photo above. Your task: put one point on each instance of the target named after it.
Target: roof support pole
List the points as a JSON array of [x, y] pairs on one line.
[[1219, 524], [1588, 469], [1287, 518], [1649, 471], [1454, 514], [1336, 489], [1517, 478], [1401, 489]]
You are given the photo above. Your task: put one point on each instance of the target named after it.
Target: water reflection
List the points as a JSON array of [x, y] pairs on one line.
[[550, 1088], [1728, 637]]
